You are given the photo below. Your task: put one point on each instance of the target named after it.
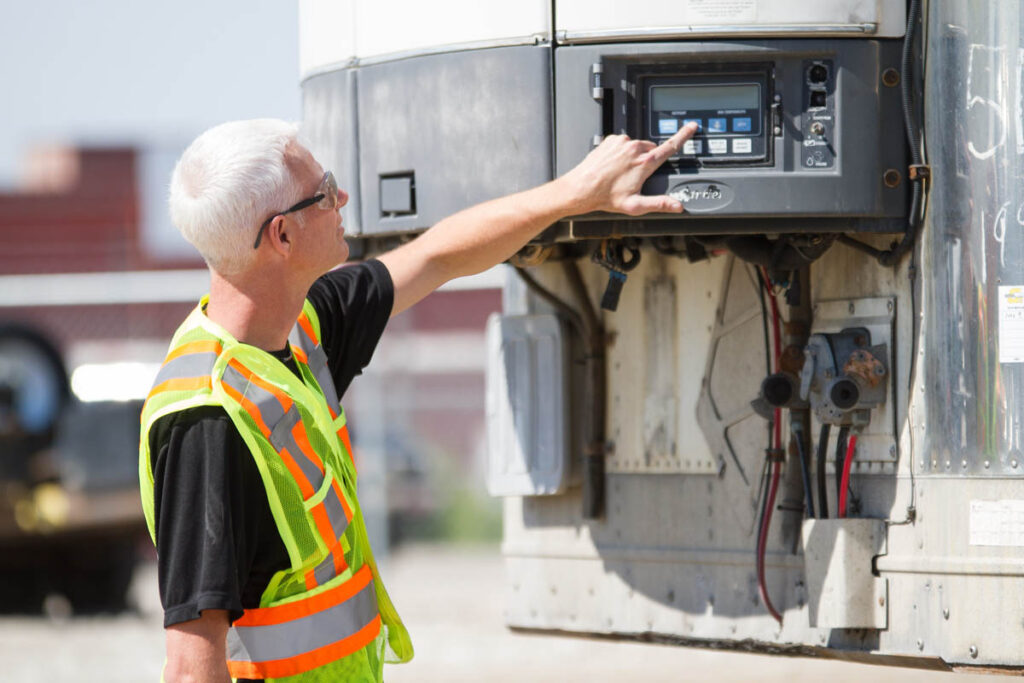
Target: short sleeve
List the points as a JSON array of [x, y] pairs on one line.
[[216, 540], [353, 304]]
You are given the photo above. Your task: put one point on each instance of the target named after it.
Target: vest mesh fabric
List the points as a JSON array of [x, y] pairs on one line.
[[306, 546]]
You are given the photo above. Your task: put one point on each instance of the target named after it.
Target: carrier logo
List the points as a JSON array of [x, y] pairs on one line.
[[703, 196]]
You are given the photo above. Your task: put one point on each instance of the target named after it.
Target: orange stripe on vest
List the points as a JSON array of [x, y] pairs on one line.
[[281, 668], [278, 614]]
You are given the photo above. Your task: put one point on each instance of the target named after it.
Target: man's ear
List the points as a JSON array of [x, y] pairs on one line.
[[279, 235]]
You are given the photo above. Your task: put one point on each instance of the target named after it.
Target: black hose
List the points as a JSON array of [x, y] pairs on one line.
[[820, 470], [844, 432], [805, 469], [892, 256]]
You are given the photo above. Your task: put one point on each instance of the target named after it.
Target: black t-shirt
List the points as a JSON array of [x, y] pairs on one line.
[[216, 539]]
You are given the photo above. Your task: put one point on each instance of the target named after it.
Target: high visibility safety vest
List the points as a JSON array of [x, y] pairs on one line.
[[326, 617]]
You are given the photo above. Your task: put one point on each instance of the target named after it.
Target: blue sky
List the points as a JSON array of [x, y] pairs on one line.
[[140, 72]]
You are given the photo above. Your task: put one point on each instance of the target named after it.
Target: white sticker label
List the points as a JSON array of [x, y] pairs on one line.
[[703, 11], [997, 522], [1011, 324]]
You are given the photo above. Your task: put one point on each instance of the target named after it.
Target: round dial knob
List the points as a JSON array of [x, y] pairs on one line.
[[818, 128]]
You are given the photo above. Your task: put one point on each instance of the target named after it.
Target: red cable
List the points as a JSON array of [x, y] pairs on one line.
[[845, 485], [762, 540]]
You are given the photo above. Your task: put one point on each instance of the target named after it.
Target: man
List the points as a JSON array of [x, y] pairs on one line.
[[247, 478]]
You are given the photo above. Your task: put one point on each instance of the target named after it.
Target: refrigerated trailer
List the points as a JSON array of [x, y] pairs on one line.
[[789, 419]]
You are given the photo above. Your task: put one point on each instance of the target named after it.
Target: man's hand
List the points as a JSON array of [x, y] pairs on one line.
[[611, 176], [475, 239]]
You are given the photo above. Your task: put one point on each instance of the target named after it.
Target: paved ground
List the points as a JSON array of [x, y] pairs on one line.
[[452, 602]]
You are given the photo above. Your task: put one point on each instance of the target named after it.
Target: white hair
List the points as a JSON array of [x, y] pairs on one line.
[[229, 180]]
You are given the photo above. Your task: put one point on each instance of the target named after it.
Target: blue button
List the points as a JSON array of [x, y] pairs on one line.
[[700, 124], [716, 125], [668, 126], [741, 125]]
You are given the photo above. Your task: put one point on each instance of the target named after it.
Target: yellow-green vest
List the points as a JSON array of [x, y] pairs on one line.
[[327, 617]]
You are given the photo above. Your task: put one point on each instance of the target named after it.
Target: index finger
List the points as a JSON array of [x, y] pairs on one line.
[[671, 147]]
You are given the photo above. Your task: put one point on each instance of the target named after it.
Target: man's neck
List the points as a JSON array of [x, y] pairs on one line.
[[256, 310]]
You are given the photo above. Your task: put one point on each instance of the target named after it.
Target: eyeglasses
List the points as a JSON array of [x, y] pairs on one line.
[[326, 198]]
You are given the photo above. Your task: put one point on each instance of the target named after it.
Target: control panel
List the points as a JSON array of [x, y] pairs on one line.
[[794, 135], [729, 111]]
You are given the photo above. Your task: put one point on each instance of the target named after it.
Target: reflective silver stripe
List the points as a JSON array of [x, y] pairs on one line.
[[318, 364], [317, 361], [282, 431], [269, 407], [189, 365], [335, 511], [299, 636], [324, 571], [273, 415]]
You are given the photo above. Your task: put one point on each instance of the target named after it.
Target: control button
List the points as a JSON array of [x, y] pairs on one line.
[[817, 128], [741, 125], [741, 146], [718, 146], [716, 125], [668, 126], [693, 147], [700, 124]]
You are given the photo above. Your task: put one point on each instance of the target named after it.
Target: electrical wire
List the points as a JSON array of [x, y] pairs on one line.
[[845, 486], [805, 470], [820, 470], [892, 256], [776, 466], [840, 446]]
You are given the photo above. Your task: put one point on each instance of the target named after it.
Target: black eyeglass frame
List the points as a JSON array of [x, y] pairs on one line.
[[323, 193]]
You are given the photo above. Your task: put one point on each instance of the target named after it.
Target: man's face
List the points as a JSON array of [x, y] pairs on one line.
[[322, 234]]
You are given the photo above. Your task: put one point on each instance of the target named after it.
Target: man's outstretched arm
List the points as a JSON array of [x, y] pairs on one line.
[[475, 239]]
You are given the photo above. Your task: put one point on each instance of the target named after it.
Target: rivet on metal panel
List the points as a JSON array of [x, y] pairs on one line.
[[851, 308], [973, 650], [920, 644], [890, 78], [933, 463], [892, 450], [778, 98], [945, 613], [888, 306], [963, 463], [986, 464], [1013, 463], [947, 464], [881, 602], [777, 130]]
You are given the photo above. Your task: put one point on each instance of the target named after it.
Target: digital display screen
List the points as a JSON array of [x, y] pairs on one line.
[[705, 97]]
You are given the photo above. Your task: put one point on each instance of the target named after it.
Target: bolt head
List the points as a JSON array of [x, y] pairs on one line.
[[973, 650]]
